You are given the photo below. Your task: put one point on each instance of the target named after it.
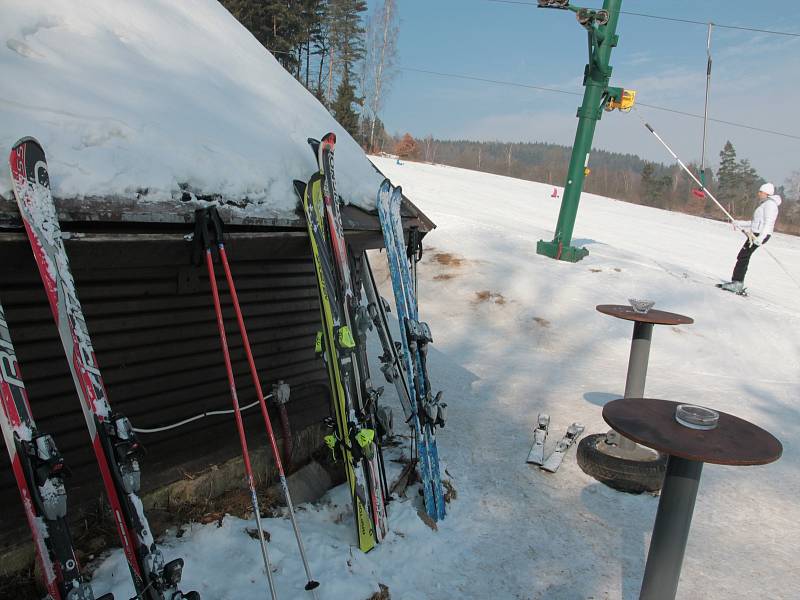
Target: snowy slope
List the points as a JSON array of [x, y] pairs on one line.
[[155, 94], [516, 334]]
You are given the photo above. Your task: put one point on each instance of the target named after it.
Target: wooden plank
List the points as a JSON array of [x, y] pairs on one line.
[[56, 396], [38, 314], [120, 210]]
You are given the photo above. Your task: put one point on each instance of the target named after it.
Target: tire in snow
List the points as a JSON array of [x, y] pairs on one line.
[[623, 474]]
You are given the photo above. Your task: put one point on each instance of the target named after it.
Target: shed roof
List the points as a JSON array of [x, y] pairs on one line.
[[144, 107]]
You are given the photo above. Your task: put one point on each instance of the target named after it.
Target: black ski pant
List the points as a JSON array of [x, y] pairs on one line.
[[743, 259]]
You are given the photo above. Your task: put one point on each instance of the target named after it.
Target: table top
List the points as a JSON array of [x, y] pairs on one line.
[[656, 317], [652, 423]]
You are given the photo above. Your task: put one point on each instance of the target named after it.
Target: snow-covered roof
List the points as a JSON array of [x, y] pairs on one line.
[[161, 96]]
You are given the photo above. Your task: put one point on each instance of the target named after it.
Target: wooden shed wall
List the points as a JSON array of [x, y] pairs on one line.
[[151, 318]]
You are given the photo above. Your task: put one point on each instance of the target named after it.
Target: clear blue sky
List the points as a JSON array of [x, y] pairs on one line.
[[754, 81]]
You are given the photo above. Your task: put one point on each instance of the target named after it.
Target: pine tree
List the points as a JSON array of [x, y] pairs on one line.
[[750, 181], [654, 187], [728, 178], [290, 29], [342, 107], [310, 20], [346, 33]]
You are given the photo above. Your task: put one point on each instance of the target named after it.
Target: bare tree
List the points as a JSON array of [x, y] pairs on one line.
[[429, 148], [793, 186], [382, 35]]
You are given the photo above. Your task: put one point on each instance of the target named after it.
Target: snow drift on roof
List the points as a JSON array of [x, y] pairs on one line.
[[158, 94]]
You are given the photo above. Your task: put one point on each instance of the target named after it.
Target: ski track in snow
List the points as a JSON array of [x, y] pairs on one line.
[[516, 334]]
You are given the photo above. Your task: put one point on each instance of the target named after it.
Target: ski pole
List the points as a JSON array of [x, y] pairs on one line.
[[311, 585], [201, 214]]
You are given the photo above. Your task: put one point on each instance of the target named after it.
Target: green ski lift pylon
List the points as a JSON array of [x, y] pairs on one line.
[[601, 26]]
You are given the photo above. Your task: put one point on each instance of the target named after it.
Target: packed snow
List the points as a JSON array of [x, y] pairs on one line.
[[517, 334], [161, 97]]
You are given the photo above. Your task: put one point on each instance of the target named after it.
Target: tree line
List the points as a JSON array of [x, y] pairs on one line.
[[622, 176], [338, 51]]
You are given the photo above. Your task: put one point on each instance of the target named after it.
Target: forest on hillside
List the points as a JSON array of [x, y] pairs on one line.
[[346, 55], [622, 176]]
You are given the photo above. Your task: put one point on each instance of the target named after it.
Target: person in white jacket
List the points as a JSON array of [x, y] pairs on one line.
[[758, 232]]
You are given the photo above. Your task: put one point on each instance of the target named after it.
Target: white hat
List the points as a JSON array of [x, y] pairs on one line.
[[767, 188]]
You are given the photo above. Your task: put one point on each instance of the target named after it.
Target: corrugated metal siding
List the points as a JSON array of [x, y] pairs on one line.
[[152, 322]]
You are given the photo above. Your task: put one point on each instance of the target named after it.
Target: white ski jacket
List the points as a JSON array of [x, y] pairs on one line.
[[764, 218]]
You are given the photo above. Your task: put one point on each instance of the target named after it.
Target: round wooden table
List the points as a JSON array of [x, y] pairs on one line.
[[652, 423], [639, 357]]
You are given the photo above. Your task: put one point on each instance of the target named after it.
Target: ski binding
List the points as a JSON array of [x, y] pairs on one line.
[[536, 455], [564, 444]]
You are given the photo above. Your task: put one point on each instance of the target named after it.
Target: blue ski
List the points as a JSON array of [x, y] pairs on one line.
[[414, 336]]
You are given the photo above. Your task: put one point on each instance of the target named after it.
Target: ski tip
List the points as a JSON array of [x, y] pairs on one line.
[[299, 187], [329, 138], [25, 140], [384, 191]]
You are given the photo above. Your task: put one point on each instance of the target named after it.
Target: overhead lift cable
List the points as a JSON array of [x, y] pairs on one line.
[[674, 19], [558, 91]]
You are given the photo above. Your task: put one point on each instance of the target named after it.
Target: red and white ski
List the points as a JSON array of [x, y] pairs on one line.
[[113, 440], [39, 472]]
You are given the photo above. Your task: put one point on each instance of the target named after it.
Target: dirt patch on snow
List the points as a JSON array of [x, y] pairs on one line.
[[487, 296], [450, 492], [448, 259], [447, 263], [383, 594], [541, 322]]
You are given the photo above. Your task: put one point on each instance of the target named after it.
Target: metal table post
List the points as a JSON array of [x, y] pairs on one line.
[[671, 530], [636, 376], [652, 423]]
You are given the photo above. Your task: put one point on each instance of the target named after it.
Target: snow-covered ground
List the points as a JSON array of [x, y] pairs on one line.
[[516, 334], [161, 96]]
